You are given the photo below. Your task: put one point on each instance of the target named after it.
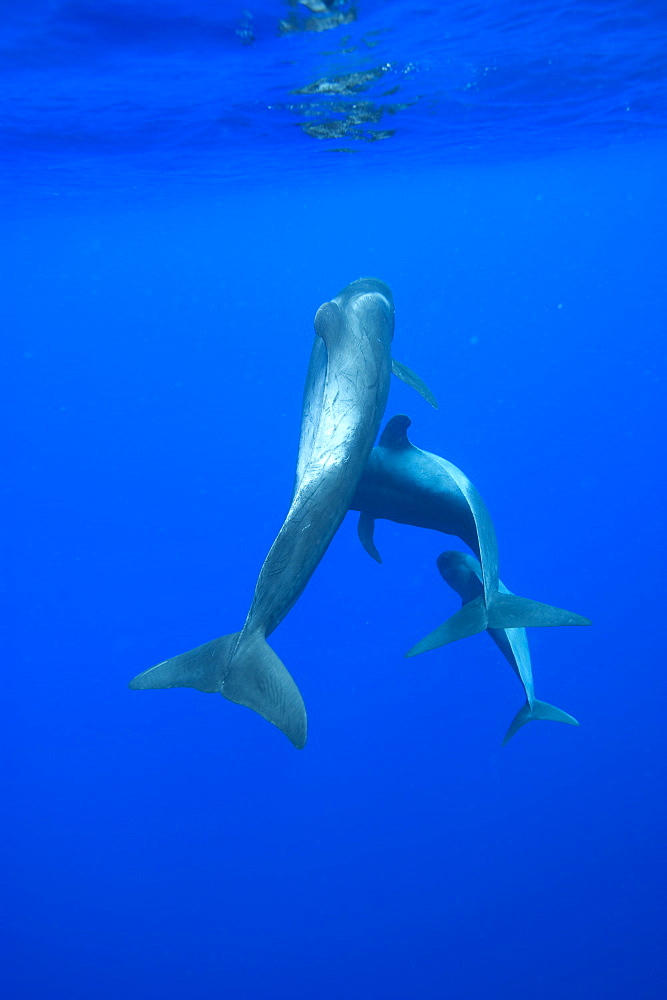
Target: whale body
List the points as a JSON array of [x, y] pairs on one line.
[[405, 484], [344, 400], [463, 573]]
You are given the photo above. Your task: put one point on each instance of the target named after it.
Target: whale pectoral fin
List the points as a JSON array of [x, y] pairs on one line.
[[510, 611], [468, 620], [413, 380], [365, 529], [539, 710]]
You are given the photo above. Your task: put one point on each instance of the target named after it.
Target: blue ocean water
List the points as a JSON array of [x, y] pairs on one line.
[[184, 184]]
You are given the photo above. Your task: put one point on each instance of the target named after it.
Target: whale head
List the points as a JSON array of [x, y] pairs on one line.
[[460, 570], [368, 303]]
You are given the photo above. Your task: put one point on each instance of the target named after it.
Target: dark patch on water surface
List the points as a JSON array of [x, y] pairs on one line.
[[323, 15], [168, 86], [348, 83]]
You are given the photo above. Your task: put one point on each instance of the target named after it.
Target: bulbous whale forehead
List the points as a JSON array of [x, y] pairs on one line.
[[454, 561], [365, 296], [361, 287]]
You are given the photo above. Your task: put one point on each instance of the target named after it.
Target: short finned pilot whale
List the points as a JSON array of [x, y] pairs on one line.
[[344, 400], [405, 484], [463, 573]]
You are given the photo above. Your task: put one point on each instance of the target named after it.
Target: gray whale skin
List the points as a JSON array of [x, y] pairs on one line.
[[405, 484], [463, 573], [344, 400]]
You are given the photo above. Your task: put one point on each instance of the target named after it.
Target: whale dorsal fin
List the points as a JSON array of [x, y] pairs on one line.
[[395, 434], [413, 380]]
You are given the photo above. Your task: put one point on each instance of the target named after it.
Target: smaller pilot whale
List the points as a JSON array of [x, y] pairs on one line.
[[405, 484], [344, 400], [463, 573]]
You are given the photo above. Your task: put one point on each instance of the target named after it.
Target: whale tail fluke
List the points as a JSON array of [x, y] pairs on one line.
[[510, 611], [468, 620], [504, 611], [203, 668], [244, 669], [538, 710]]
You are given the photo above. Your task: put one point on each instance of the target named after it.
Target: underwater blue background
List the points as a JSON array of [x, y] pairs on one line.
[[168, 233]]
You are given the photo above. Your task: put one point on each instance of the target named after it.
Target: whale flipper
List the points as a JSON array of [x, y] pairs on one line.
[[539, 710], [413, 380], [245, 670], [365, 530], [505, 611]]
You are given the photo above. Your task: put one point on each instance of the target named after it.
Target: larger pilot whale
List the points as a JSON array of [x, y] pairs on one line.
[[463, 573], [344, 400], [405, 484]]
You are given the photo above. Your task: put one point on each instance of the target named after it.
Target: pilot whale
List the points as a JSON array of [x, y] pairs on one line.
[[344, 400], [405, 484], [463, 573]]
